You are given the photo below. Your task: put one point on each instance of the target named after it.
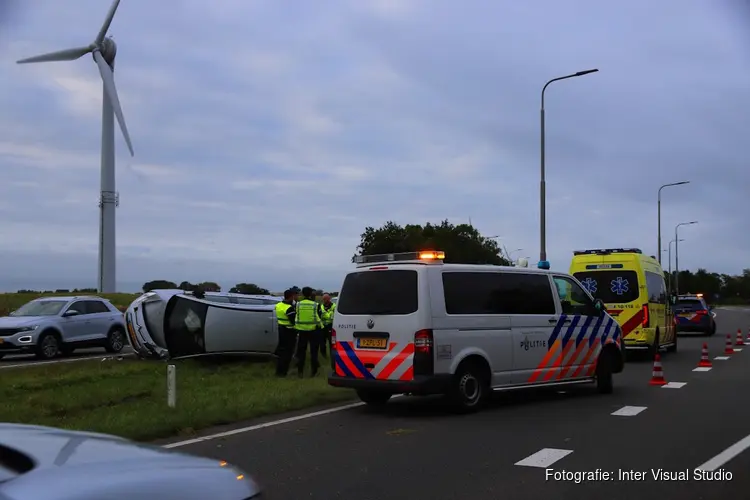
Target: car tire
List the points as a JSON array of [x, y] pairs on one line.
[[115, 340], [48, 346], [712, 331], [604, 376], [374, 398], [469, 390]]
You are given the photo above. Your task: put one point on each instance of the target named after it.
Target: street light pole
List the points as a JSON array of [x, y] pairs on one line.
[[670, 261], [543, 264], [658, 212], [676, 256]]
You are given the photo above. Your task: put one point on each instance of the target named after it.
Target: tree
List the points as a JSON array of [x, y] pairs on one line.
[[462, 244], [158, 285], [249, 289], [187, 286], [209, 286]]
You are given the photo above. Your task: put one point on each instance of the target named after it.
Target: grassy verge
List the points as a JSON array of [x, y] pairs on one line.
[[128, 397], [12, 301]]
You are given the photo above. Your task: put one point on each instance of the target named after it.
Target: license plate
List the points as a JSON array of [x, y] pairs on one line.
[[684, 315], [372, 343]]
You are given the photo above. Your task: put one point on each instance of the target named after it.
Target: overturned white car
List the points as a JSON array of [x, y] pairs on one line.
[[173, 323]]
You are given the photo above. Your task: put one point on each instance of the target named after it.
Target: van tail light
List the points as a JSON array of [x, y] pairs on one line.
[[424, 363], [646, 318], [333, 338], [423, 342]]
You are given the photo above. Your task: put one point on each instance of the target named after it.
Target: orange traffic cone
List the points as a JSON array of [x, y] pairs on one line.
[[657, 377], [740, 340], [704, 362], [729, 349]]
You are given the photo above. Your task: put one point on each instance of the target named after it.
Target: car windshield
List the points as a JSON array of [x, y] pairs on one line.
[[689, 305], [40, 308]]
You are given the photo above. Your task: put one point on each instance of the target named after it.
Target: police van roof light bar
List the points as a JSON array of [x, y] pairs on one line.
[[422, 256], [605, 251]]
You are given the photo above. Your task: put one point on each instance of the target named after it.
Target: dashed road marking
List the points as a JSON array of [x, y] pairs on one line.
[[628, 411], [674, 385], [544, 458], [737, 349], [721, 358], [726, 455], [702, 369]]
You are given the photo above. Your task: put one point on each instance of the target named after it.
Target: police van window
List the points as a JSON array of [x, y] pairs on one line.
[[573, 298], [657, 290], [611, 286], [392, 292], [497, 293]]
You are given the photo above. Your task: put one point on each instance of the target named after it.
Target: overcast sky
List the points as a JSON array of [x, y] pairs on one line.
[[269, 133]]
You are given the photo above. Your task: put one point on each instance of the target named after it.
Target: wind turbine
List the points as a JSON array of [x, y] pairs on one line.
[[103, 49]]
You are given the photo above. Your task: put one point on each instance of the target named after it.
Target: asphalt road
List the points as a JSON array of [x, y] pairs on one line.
[[23, 360], [415, 448]]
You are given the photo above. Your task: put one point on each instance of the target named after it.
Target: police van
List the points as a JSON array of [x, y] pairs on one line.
[[632, 287], [409, 323]]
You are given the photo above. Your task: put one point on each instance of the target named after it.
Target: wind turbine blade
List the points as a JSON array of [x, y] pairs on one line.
[[107, 22], [109, 87], [60, 55]]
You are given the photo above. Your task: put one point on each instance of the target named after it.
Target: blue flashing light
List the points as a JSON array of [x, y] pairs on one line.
[[543, 264]]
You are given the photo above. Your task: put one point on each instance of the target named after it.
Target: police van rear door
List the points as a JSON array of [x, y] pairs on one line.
[[377, 317]]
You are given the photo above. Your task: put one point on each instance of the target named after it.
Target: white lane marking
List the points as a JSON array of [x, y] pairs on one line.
[[721, 358], [544, 458], [629, 411], [737, 350], [272, 423], [726, 455], [702, 369], [32, 364], [674, 385]]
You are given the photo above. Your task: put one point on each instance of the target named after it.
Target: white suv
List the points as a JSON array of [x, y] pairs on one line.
[[408, 323]]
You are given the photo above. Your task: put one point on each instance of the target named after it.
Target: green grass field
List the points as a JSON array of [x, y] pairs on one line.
[[12, 301], [129, 397]]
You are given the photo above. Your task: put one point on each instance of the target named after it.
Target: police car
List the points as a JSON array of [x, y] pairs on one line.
[[409, 323]]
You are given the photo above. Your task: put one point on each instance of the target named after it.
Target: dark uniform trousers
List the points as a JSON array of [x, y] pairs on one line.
[[285, 350], [313, 339], [325, 340]]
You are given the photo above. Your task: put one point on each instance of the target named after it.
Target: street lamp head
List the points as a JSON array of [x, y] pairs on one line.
[[586, 72], [693, 222], [681, 183]]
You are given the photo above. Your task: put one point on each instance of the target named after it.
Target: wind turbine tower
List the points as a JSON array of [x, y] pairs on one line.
[[103, 50]]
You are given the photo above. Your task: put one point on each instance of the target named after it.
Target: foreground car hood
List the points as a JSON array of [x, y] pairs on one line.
[[18, 321], [83, 465]]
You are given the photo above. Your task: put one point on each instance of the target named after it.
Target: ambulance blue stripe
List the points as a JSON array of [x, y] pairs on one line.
[[355, 361], [556, 331], [344, 368], [584, 329], [571, 330]]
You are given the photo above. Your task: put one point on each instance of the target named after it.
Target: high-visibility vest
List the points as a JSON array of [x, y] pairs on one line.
[[281, 317], [328, 314], [307, 318]]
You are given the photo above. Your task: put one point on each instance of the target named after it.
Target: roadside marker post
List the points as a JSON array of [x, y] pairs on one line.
[[171, 386]]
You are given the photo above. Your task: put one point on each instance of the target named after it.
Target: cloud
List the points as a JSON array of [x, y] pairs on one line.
[[268, 134]]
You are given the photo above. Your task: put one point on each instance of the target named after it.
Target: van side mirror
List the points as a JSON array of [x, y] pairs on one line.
[[599, 306]]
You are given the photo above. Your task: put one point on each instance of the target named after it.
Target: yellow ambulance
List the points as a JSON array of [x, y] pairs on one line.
[[632, 287]]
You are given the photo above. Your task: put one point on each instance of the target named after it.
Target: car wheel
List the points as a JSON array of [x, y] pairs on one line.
[[374, 398], [115, 340], [469, 390], [712, 331], [604, 378], [48, 346]]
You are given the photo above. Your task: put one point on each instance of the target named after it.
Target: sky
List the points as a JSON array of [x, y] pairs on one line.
[[269, 133]]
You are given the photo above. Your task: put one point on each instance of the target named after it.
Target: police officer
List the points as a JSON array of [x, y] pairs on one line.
[[308, 324], [327, 309], [285, 317]]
